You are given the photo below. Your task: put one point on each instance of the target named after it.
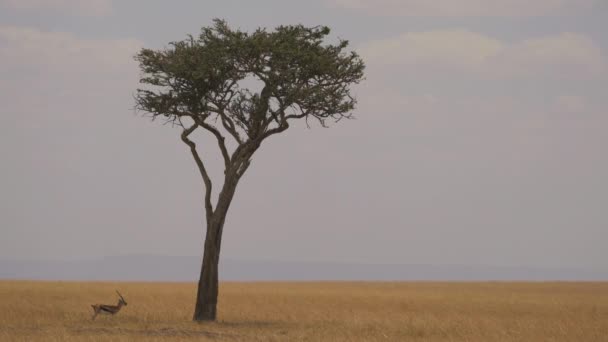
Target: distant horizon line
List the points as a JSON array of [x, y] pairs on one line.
[[324, 262], [150, 267]]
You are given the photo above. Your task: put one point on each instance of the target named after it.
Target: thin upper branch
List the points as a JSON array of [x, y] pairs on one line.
[[220, 139], [221, 103], [229, 126]]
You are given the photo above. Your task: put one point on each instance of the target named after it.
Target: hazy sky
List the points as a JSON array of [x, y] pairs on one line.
[[481, 137]]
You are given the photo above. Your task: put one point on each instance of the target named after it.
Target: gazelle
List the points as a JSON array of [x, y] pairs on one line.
[[109, 309]]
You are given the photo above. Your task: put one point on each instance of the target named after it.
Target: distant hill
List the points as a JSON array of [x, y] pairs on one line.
[[167, 268]]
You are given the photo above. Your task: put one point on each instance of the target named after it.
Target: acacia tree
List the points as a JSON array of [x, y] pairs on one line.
[[201, 83]]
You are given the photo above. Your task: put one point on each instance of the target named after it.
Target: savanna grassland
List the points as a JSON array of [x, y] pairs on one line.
[[61, 311]]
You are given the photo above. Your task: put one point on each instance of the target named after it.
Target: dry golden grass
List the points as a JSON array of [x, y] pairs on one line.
[[60, 311]]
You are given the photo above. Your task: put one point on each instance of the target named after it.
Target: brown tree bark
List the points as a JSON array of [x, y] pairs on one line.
[[208, 285]]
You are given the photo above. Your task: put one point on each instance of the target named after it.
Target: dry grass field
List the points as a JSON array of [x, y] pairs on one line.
[[60, 311]]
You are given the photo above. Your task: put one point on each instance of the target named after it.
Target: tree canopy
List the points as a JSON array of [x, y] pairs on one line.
[[199, 78]]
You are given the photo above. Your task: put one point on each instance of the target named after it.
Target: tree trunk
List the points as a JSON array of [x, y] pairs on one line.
[[208, 285], [206, 299]]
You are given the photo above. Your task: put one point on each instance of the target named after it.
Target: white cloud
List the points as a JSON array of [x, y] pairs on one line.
[[75, 7], [35, 48], [458, 48], [567, 53], [465, 7], [56, 65], [432, 52]]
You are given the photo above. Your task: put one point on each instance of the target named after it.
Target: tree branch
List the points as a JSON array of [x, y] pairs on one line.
[[221, 105], [229, 126], [220, 139], [282, 127], [201, 167]]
